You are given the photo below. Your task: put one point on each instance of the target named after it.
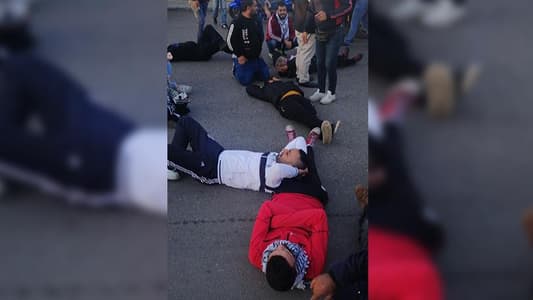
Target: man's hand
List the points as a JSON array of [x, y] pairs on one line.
[[323, 286], [305, 37], [288, 44], [321, 16], [242, 60], [303, 172]]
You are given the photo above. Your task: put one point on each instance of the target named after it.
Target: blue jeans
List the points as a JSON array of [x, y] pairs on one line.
[[201, 18], [326, 58], [359, 11], [253, 69], [222, 5]]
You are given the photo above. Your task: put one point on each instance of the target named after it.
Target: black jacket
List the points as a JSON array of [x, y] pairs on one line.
[[272, 92], [336, 11], [245, 38]]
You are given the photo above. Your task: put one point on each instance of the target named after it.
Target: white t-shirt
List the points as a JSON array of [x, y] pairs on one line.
[[240, 169]]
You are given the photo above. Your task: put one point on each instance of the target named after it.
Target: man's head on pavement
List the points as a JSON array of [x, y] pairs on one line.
[[282, 10], [280, 269], [281, 65], [249, 8], [294, 157]]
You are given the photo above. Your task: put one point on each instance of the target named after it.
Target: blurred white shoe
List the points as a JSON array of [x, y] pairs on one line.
[[184, 88], [317, 96], [443, 14], [329, 98], [172, 175], [407, 10]]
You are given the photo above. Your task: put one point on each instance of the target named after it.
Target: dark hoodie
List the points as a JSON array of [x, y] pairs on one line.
[[245, 38], [336, 11]]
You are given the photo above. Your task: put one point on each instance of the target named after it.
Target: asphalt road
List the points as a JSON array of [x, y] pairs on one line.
[[474, 169], [210, 226]]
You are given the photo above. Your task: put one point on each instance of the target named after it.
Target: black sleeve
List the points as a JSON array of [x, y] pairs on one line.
[[310, 17], [234, 39], [352, 269]]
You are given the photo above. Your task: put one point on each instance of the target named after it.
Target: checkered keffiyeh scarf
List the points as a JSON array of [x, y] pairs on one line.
[[302, 260], [284, 24]]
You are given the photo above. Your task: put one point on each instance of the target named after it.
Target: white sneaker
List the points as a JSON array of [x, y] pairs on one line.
[[443, 14], [172, 175], [407, 10], [328, 98], [317, 96]]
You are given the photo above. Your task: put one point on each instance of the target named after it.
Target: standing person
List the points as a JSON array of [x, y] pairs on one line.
[[202, 13], [222, 5], [280, 34], [359, 12], [329, 17], [245, 41], [306, 44]]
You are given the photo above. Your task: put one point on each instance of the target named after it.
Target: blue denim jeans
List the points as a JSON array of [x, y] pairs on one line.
[[222, 5], [253, 69], [358, 15], [326, 58], [201, 18]]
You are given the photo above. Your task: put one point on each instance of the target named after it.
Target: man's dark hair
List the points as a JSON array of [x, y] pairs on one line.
[[280, 275], [304, 160], [281, 4], [246, 3]]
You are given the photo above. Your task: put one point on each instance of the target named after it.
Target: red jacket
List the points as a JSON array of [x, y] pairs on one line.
[[400, 268], [274, 29], [298, 218]]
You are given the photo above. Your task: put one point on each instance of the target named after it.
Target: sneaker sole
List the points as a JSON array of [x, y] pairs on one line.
[[325, 128], [439, 90]]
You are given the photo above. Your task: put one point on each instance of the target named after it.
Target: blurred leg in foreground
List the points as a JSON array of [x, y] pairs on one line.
[[404, 232], [55, 138]]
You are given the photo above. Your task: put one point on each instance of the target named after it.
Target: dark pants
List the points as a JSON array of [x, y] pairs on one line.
[[202, 13], [396, 204], [77, 142], [307, 185], [391, 55], [275, 46], [201, 162], [326, 56], [296, 108], [252, 70], [207, 46]]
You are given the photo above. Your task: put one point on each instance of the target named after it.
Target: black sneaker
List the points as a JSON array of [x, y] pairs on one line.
[[308, 84], [215, 21]]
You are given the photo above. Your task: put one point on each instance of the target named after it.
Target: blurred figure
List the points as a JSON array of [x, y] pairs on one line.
[[359, 16], [439, 84], [290, 234], [404, 232], [328, 17], [348, 279], [280, 34], [528, 225], [220, 4], [210, 43], [55, 138], [431, 13], [177, 97]]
